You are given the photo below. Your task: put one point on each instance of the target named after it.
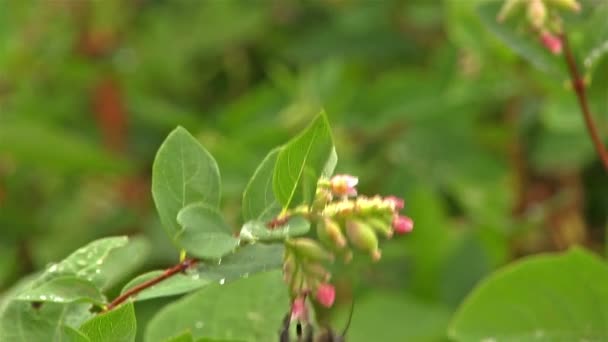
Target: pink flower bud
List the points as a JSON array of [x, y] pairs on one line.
[[326, 294], [344, 185], [299, 312], [551, 42], [402, 224], [395, 202]]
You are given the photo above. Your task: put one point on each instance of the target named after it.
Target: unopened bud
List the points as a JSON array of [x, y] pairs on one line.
[[326, 294], [309, 248], [330, 233], [316, 271], [299, 311], [381, 227], [402, 224], [537, 13], [508, 9], [571, 5], [362, 236], [551, 42]]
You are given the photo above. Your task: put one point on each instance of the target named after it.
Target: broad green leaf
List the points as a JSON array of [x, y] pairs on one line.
[[246, 261], [259, 202], [63, 289], [86, 262], [177, 284], [24, 322], [117, 325], [77, 277], [553, 297], [184, 337], [259, 231], [330, 164], [183, 173], [249, 310], [521, 42], [204, 233], [73, 335], [402, 318], [123, 261], [301, 162]]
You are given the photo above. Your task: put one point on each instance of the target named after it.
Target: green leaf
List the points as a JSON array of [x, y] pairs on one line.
[[63, 289], [553, 297], [259, 202], [117, 325], [258, 230], [204, 234], [77, 277], [246, 261], [523, 43], [86, 262], [403, 318], [23, 322], [73, 335], [301, 162], [185, 337], [183, 173], [595, 34], [249, 309]]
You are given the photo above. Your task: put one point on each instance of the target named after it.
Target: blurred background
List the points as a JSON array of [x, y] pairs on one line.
[[490, 154]]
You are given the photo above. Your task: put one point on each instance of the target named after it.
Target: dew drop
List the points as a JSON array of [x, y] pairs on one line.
[[53, 268], [199, 325], [246, 275], [42, 297], [81, 263], [222, 281], [97, 271], [219, 261], [99, 262], [195, 276]]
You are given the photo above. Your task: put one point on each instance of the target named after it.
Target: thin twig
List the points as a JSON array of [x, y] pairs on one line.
[[177, 269], [578, 84]]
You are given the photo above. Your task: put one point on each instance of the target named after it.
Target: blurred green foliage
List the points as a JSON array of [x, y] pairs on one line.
[[424, 100]]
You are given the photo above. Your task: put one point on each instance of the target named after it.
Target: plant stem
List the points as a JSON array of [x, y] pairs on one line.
[[169, 272], [578, 84]]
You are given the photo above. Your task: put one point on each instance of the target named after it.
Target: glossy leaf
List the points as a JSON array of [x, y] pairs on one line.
[[553, 297], [183, 173], [259, 202], [184, 337], [63, 289], [246, 261], [116, 325], [251, 310], [301, 162], [72, 335], [403, 318], [22, 321], [259, 230], [204, 233]]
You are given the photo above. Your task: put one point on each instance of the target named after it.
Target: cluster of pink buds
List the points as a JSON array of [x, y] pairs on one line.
[[345, 222], [541, 19]]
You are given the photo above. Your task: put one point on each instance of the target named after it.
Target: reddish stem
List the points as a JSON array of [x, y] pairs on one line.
[[579, 87], [182, 266]]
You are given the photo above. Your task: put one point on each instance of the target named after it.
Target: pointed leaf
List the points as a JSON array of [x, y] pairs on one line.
[[117, 325], [63, 289], [246, 261], [259, 231], [301, 162], [204, 234], [554, 297], [259, 202], [183, 173], [73, 335], [249, 310]]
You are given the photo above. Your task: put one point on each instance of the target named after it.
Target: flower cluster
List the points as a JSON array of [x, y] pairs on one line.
[[541, 19], [345, 222]]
